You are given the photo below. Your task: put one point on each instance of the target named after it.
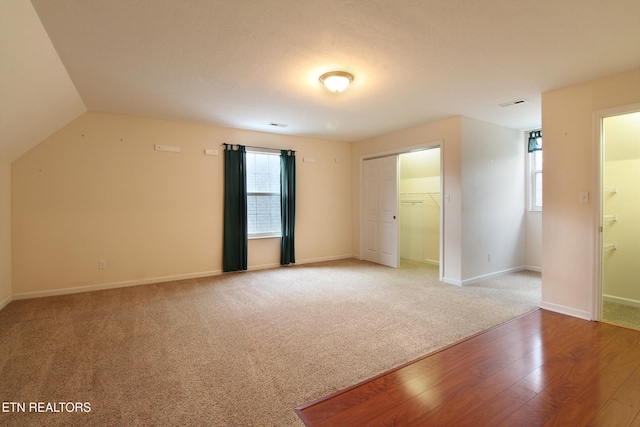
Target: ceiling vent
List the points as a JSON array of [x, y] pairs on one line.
[[278, 125], [515, 102]]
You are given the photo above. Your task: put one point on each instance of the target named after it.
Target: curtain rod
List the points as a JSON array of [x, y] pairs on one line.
[[260, 148]]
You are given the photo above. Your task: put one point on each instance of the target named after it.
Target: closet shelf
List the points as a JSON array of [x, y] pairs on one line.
[[610, 217], [610, 189], [610, 246]]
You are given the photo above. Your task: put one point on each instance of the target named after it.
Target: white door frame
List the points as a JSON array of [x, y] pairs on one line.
[[598, 117], [396, 152]]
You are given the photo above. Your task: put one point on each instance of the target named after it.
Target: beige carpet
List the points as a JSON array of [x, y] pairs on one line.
[[621, 315], [235, 350]]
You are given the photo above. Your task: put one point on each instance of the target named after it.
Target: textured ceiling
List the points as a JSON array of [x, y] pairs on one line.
[[246, 63]]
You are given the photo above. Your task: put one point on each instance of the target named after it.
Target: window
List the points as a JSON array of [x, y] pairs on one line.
[[263, 195], [535, 166]]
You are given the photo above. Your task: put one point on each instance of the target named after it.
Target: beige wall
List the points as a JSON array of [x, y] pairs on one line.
[[447, 131], [533, 249], [38, 96], [483, 195], [568, 231], [621, 135], [494, 195], [98, 190], [621, 269], [5, 233]]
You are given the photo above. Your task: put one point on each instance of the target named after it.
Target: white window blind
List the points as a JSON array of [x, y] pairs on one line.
[[263, 194]]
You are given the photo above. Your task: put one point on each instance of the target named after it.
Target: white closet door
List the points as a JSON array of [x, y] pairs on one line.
[[381, 211]]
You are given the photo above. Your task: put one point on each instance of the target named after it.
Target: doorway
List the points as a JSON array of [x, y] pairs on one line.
[[619, 245], [419, 187], [401, 208]]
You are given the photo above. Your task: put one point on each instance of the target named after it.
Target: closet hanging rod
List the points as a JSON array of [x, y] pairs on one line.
[[610, 246], [259, 148]]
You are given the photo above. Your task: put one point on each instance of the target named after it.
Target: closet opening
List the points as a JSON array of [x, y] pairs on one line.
[[419, 191], [402, 211], [619, 242]]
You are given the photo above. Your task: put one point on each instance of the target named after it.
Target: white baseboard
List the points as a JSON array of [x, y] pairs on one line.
[[329, 258], [620, 300], [114, 285], [261, 267], [491, 275], [452, 281], [300, 262], [6, 302], [127, 283], [532, 268], [581, 314]]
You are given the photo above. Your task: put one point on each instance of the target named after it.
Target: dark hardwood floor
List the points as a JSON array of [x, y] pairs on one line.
[[543, 368]]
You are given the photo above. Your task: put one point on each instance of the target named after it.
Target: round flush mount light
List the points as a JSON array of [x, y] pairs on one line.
[[336, 81]]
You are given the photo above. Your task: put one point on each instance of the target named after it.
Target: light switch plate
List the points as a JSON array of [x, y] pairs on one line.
[[584, 197]]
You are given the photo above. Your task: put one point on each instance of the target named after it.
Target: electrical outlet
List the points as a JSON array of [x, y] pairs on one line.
[[102, 264]]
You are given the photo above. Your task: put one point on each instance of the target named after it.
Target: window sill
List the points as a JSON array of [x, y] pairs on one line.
[[263, 236]]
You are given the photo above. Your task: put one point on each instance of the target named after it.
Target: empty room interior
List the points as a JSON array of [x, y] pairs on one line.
[[197, 228]]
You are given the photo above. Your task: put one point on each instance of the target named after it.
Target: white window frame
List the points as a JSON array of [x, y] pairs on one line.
[[536, 170], [266, 192]]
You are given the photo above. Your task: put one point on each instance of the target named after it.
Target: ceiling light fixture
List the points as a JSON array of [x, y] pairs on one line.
[[336, 81]]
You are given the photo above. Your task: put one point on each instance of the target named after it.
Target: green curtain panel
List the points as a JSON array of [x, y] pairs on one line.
[[535, 141], [234, 245], [287, 206]]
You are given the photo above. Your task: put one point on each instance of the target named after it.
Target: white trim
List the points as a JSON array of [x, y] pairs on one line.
[[596, 283], [114, 285], [306, 261], [263, 236], [621, 301], [6, 302], [491, 275], [532, 188], [129, 283], [581, 314], [452, 281], [326, 258], [259, 267], [596, 293]]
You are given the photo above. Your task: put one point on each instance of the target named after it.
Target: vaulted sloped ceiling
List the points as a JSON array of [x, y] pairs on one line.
[[37, 97], [247, 63]]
